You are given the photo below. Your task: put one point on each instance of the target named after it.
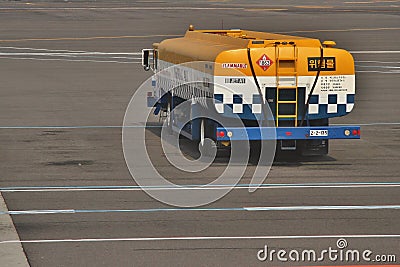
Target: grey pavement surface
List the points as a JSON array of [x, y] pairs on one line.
[[45, 82], [10, 254]]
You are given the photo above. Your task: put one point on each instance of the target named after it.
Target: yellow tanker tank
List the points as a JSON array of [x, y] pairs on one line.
[[284, 66]]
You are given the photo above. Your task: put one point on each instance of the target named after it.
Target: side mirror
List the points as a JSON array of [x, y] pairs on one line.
[[146, 59]]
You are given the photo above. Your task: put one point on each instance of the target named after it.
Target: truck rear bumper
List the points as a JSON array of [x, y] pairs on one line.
[[288, 133]]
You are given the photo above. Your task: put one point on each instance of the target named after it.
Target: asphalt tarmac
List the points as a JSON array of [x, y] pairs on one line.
[[68, 71]]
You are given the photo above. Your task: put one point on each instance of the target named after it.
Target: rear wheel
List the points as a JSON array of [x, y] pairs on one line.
[[206, 144], [169, 116]]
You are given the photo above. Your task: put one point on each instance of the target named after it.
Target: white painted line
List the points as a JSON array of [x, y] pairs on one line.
[[157, 126], [382, 67], [139, 53], [68, 51], [344, 30], [300, 208], [113, 55], [62, 54], [381, 62], [207, 238], [375, 52], [39, 49], [81, 126], [376, 71], [200, 187], [31, 212], [370, 124], [73, 60], [228, 209], [86, 38], [90, 56]]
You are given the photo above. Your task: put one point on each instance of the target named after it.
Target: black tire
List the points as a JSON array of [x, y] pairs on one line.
[[206, 145], [169, 117]]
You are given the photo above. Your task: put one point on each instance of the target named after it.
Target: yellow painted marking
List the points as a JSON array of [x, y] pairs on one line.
[[314, 7], [87, 38], [116, 8], [266, 9], [368, 11], [358, 2]]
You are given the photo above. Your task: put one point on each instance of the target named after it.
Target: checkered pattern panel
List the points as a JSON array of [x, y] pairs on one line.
[[237, 104], [331, 104], [319, 104]]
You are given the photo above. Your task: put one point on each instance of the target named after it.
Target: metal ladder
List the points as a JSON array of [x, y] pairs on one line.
[[286, 68]]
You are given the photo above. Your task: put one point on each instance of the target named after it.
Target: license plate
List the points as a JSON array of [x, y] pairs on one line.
[[318, 132]]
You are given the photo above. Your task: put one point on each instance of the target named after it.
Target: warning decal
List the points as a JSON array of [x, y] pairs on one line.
[[264, 62]]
